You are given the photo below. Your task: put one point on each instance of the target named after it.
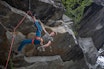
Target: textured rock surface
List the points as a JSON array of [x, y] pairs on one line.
[[99, 2], [90, 51], [63, 42], [10, 17], [92, 25], [57, 64], [49, 11], [4, 46], [43, 9]]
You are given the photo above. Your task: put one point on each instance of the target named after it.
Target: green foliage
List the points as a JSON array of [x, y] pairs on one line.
[[75, 8]]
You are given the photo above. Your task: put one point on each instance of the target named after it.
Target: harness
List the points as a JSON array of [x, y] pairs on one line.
[[33, 41], [36, 38]]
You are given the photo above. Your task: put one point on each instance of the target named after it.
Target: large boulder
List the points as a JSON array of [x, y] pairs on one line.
[[63, 44], [90, 52], [92, 24], [10, 17], [43, 9], [8, 20], [99, 2], [4, 46], [55, 64]]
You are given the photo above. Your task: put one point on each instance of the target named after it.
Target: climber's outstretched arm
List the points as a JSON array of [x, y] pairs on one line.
[[48, 44]]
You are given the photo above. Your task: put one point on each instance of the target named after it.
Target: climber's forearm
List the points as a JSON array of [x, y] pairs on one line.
[[48, 44]]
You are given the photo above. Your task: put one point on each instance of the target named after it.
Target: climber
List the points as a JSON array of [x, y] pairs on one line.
[[38, 40]]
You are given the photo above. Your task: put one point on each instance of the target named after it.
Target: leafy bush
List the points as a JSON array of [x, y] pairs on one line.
[[75, 8]]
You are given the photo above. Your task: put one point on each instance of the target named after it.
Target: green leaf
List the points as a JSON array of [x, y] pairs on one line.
[[75, 8]]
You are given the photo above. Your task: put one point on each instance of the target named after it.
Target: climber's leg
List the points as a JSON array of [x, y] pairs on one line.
[[39, 28], [23, 43]]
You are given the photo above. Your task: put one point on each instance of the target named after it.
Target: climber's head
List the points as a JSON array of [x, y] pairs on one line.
[[53, 34]]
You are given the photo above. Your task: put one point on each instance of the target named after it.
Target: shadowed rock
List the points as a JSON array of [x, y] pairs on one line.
[[45, 10], [92, 25], [89, 50]]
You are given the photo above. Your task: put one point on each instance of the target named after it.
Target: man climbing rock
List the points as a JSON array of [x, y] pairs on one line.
[[47, 39], [38, 40]]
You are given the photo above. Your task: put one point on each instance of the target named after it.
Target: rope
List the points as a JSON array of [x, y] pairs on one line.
[[35, 19], [9, 52], [29, 5], [40, 23], [20, 22]]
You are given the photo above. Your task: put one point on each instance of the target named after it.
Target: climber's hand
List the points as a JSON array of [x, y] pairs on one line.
[[29, 13], [41, 48]]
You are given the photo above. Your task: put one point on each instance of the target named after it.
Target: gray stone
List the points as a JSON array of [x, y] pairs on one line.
[[42, 58], [42, 9], [66, 18], [89, 50], [92, 25], [18, 37], [99, 2]]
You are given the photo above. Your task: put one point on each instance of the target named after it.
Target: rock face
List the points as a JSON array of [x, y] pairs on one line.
[[57, 64], [10, 17], [99, 2], [4, 46], [63, 44], [92, 25], [49, 11], [45, 10], [91, 32], [89, 50], [8, 20]]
